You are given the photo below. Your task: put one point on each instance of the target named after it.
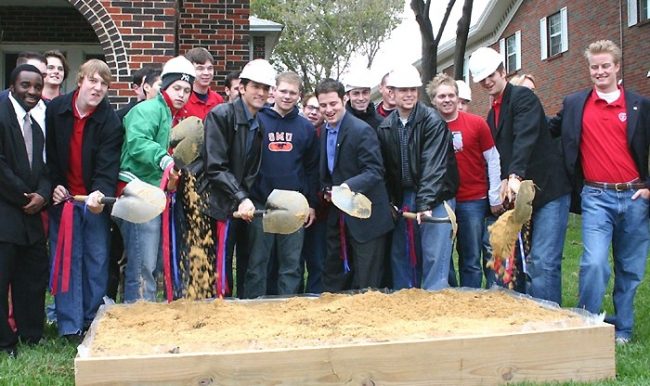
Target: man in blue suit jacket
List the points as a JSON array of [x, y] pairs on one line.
[[605, 135], [350, 157]]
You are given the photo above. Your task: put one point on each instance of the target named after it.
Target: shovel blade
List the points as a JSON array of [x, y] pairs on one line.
[[187, 140], [286, 212], [355, 204], [140, 202]]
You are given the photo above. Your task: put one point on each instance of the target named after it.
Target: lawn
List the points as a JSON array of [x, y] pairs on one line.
[[52, 362]]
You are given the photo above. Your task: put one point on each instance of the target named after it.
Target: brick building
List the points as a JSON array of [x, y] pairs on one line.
[[130, 34], [547, 38]]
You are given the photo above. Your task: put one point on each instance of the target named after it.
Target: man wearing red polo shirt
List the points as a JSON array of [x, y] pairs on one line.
[[202, 99], [605, 135]]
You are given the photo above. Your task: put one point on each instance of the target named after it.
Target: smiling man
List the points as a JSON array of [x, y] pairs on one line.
[[23, 255], [83, 156], [605, 134], [422, 176], [357, 89], [350, 157], [203, 98], [527, 152]]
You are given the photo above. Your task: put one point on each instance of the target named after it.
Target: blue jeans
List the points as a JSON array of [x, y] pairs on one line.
[[142, 248], [490, 276], [76, 308], [611, 217], [432, 247], [287, 249], [314, 249], [544, 264], [471, 226]]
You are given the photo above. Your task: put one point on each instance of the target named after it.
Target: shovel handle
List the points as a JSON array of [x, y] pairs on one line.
[[256, 213], [103, 200], [428, 219]]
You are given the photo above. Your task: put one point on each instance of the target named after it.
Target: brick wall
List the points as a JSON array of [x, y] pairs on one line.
[[588, 20]]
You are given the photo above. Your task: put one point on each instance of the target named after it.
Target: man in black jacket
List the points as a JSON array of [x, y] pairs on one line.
[[84, 143], [232, 154], [357, 89], [23, 257], [350, 157], [527, 151], [422, 177]]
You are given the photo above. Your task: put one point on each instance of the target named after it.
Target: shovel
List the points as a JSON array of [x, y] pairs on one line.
[[355, 204], [186, 140], [284, 213], [451, 218], [140, 202]]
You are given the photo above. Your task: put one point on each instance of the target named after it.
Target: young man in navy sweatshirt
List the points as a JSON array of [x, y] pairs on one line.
[[290, 162]]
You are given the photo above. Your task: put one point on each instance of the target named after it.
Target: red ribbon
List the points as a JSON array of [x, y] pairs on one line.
[[221, 280], [63, 254], [166, 256], [344, 243]]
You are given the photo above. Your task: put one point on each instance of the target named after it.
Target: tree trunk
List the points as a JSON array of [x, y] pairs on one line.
[[461, 39]]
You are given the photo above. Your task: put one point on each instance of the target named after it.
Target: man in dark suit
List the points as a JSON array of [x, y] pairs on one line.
[[23, 256], [520, 132], [351, 158], [605, 134]]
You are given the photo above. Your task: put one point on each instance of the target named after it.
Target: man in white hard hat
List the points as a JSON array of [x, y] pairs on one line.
[[232, 153], [422, 177], [357, 89], [464, 96], [145, 157], [350, 158], [527, 151], [479, 169], [605, 132]]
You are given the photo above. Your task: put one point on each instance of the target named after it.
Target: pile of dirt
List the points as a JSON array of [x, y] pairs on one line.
[[218, 326]]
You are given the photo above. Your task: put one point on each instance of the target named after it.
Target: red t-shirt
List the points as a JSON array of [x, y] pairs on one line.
[[471, 138], [74, 174], [198, 108], [604, 152]]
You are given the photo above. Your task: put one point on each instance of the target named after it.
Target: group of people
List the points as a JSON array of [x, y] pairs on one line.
[[61, 155]]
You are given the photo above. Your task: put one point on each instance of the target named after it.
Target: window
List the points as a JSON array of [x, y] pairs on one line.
[[259, 47], [554, 34], [511, 51], [637, 11]]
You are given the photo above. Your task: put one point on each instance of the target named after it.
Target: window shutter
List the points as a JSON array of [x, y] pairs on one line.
[[631, 13], [466, 70], [565, 29], [518, 43], [502, 51], [542, 38]]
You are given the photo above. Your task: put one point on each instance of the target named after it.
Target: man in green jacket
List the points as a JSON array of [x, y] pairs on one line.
[[145, 156]]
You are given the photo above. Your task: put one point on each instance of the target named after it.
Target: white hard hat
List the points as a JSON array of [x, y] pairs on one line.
[[483, 63], [358, 79], [178, 68], [405, 76], [464, 92], [260, 71]]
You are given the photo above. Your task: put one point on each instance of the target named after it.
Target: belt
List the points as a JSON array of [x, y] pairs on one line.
[[619, 187]]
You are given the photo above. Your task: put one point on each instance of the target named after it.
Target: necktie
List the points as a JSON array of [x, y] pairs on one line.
[[28, 136]]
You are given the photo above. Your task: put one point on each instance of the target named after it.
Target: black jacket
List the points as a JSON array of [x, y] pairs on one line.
[[568, 125], [358, 163], [229, 172], [18, 178], [101, 148], [431, 158], [370, 116], [525, 144]]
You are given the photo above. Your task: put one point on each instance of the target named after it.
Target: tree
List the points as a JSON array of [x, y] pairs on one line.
[[320, 36], [462, 31], [429, 42]]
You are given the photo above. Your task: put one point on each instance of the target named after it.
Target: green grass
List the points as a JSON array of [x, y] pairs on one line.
[[52, 362]]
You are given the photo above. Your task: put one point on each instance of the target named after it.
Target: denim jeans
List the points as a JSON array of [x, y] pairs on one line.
[[490, 276], [76, 308], [314, 249], [613, 218], [432, 247], [471, 226], [287, 248], [544, 265], [142, 248]]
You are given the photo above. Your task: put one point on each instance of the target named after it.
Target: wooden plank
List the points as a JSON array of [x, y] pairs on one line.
[[578, 354]]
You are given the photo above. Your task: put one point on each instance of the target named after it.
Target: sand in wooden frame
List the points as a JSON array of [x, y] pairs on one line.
[[403, 352]]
